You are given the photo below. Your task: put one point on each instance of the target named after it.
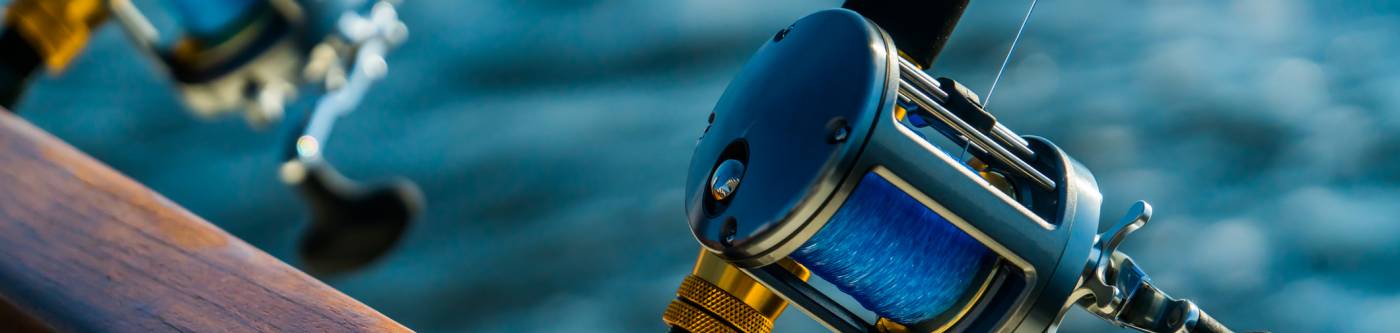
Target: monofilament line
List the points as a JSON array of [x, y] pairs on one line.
[[988, 98]]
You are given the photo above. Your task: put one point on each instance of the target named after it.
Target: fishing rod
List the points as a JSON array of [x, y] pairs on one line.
[[833, 154], [258, 58]]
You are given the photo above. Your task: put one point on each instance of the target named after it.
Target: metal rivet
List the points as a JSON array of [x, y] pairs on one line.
[[731, 226], [839, 134], [838, 130]]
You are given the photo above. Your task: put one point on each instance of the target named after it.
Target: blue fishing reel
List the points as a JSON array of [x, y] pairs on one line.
[[258, 58], [261, 57], [832, 150]]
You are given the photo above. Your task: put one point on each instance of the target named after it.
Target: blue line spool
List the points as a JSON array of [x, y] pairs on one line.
[[894, 255]]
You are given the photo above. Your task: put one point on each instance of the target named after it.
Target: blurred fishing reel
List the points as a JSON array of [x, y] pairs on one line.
[[831, 152], [256, 57], [253, 57]]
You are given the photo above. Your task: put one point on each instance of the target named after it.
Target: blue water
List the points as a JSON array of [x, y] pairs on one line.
[[552, 137]]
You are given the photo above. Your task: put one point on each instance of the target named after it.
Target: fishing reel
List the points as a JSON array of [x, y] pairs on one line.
[[258, 58], [832, 154]]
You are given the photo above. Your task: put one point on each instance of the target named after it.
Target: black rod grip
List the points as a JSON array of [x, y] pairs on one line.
[[919, 28]]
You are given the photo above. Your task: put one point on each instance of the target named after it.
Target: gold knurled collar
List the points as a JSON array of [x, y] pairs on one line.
[[685, 316]]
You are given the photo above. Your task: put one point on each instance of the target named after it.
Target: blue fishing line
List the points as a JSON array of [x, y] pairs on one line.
[[894, 255]]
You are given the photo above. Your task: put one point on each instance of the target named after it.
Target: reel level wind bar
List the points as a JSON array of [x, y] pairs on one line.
[[914, 86], [910, 73]]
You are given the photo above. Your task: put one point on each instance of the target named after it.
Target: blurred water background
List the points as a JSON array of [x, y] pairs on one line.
[[551, 138]]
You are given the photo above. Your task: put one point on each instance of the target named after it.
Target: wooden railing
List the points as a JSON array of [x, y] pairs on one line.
[[84, 248]]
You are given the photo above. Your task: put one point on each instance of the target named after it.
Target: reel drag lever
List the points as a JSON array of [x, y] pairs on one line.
[[1118, 291], [352, 223]]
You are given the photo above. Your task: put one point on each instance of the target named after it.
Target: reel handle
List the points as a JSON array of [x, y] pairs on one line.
[[919, 28], [352, 224]]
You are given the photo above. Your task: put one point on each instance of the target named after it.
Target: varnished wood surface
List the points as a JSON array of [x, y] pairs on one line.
[[84, 248]]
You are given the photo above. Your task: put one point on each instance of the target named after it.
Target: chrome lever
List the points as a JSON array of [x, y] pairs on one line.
[[1102, 282]]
